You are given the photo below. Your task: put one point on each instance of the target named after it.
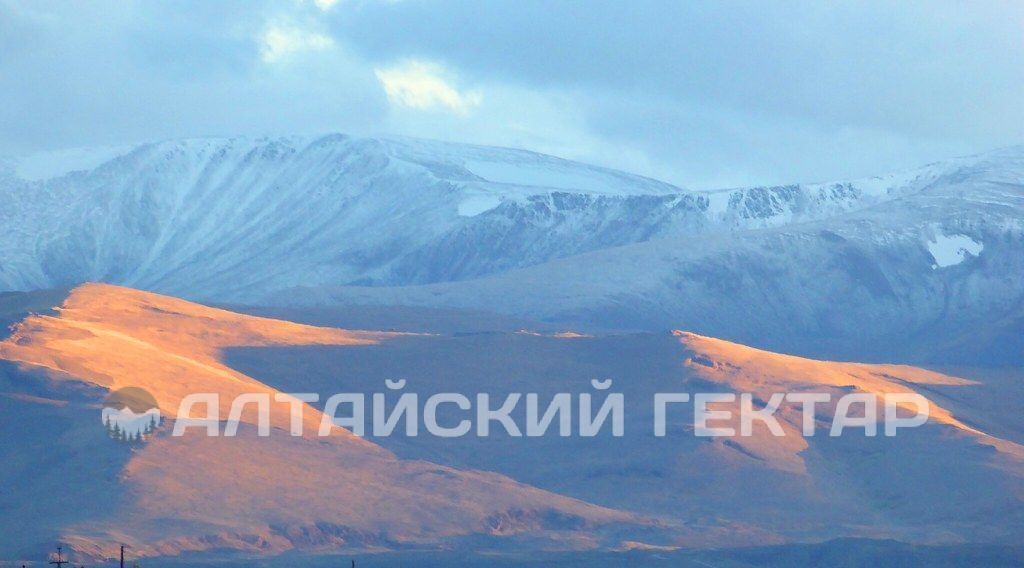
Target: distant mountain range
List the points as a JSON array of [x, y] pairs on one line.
[[925, 265]]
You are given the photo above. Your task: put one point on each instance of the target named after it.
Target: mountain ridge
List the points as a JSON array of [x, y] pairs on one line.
[[174, 215], [336, 219]]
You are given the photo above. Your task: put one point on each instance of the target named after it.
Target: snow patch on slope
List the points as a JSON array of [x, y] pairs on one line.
[[718, 202], [950, 250]]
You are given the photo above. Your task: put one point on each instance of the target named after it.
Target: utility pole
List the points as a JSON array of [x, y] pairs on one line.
[[122, 556], [60, 562]]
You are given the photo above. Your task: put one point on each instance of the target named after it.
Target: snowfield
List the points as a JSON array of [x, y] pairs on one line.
[[950, 250]]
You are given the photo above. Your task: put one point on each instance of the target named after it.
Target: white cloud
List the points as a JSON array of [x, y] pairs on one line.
[[421, 85], [325, 4], [279, 42]]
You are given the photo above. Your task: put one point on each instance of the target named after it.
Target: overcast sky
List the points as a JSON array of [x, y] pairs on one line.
[[700, 94]]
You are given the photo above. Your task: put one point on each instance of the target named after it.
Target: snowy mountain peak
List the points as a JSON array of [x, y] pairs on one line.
[[500, 170], [240, 218]]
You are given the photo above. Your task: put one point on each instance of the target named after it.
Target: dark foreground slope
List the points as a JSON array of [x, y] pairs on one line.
[[68, 481], [956, 480]]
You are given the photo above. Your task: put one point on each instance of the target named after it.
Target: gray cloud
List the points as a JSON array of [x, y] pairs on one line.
[[704, 94]]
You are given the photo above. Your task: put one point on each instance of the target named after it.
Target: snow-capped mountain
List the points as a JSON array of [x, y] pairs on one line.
[[229, 219], [412, 221], [232, 219], [932, 271]]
